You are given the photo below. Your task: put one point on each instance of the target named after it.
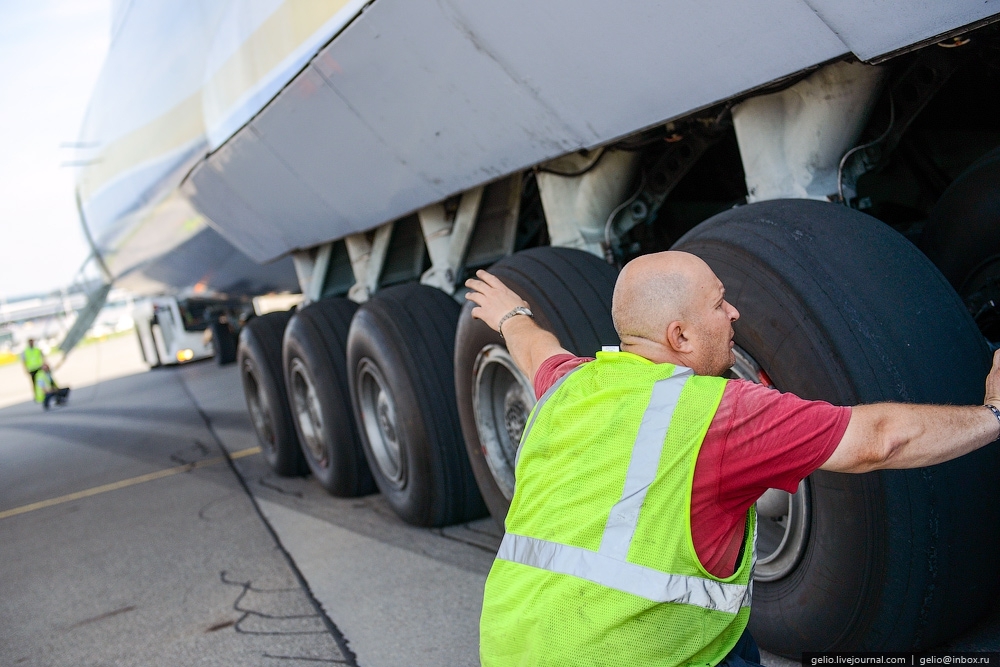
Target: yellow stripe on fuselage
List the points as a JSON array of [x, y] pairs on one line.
[[290, 26], [178, 127]]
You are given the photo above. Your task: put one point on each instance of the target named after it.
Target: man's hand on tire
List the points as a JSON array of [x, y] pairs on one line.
[[529, 345], [493, 299]]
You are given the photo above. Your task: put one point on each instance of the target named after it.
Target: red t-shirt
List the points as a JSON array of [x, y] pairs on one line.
[[759, 439]]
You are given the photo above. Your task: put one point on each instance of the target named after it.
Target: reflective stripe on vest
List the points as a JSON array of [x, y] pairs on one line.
[[643, 463], [622, 576], [608, 566]]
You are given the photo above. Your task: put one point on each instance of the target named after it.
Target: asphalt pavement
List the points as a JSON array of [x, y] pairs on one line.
[[149, 551], [139, 525], [400, 595]]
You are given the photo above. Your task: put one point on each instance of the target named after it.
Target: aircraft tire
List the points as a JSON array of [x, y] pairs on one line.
[[962, 238], [259, 359], [400, 350], [315, 365], [569, 293], [837, 306]]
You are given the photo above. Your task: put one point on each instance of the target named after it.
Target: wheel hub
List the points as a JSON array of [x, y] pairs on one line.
[[378, 417], [257, 405], [386, 418], [308, 416], [782, 518], [502, 400], [515, 412]]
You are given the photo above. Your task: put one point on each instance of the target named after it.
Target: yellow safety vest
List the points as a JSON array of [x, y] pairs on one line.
[[32, 358], [597, 566], [43, 385]]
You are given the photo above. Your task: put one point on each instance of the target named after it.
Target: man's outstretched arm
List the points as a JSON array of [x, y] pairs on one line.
[[901, 435], [528, 343]]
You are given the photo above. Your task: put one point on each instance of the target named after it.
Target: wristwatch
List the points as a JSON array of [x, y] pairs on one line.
[[995, 411], [520, 310]]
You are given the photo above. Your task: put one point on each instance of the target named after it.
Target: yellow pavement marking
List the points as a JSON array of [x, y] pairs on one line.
[[131, 481]]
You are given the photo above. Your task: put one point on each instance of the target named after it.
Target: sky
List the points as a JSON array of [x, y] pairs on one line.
[[51, 52]]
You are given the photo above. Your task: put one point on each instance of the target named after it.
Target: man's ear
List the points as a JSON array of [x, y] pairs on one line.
[[677, 339]]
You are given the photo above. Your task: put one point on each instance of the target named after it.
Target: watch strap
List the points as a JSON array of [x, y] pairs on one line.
[[520, 310], [995, 411]]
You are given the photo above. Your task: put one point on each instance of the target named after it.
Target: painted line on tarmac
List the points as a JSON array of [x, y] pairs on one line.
[[131, 481]]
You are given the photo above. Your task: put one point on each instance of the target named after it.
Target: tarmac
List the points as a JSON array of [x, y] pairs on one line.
[[128, 538]]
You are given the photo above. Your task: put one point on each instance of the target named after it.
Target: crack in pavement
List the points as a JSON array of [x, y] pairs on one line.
[[274, 487], [202, 513], [271, 621], [200, 452], [247, 587], [332, 630]]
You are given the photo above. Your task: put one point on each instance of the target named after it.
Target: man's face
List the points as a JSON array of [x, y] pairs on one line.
[[711, 330]]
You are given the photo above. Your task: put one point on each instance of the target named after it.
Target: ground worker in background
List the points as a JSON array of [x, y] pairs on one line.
[[33, 359], [46, 388], [630, 537]]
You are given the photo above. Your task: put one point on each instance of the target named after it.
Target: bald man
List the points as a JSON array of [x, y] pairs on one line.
[[630, 537]]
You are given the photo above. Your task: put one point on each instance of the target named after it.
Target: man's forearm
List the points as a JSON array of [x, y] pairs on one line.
[[529, 344], [899, 435], [923, 435]]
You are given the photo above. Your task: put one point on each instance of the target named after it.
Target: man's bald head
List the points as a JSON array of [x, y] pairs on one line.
[[670, 307], [654, 290]]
